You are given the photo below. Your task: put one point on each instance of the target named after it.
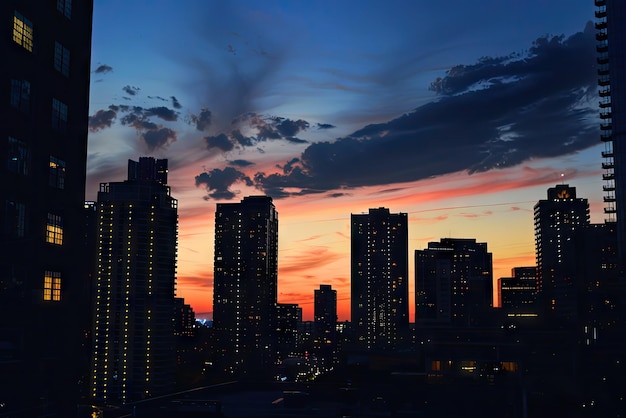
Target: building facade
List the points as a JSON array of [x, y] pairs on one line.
[[518, 292], [557, 219], [611, 67], [245, 283], [453, 282], [379, 279], [134, 354], [325, 323], [44, 85]]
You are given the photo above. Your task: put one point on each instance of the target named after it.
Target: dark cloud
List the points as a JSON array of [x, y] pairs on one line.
[[162, 112], [131, 90], [325, 126], [103, 69], [158, 138], [102, 119], [496, 113], [202, 120], [241, 163], [175, 103], [218, 183], [295, 140], [220, 142]]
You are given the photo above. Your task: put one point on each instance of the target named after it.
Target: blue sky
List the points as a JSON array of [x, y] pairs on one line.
[[334, 107]]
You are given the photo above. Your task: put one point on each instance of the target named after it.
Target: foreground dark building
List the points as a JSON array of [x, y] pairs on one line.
[[44, 85], [134, 352], [245, 284]]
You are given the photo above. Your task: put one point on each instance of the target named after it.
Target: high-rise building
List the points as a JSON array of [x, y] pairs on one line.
[[453, 282], [245, 283], [611, 60], [379, 279], [44, 85], [557, 219], [134, 354], [325, 322], [518, 292]]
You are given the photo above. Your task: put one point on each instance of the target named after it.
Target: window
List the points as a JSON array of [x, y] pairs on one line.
[[59, 114], [65, 7], [18, 157], [20, 95], [57, 173], [22, 31], [52, 286], [61, 59], [54, 229], [15, 219]]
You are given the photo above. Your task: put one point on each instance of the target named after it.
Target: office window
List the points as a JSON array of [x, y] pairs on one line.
[[14, 219], [54, 229], [20, 95], [65, 7], [18, 156], [59, 114], [22, 31], [61, 59], [57, 173], [52, 286]]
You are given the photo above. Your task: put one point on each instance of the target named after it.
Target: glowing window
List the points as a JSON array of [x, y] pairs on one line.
[[65, 7], [22, 31], [20, 95], [59, 114], [61, 59], [54, 229], [57, 173], [52, 286]]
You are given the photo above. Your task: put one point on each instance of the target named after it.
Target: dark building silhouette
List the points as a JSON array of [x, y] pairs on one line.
[[44, 111], [184, 319], [288, 318], [518, 293], [245, 283], [379, 279], [453, 282], [611, 60], [134, 354], [557, 219], [325, 322]]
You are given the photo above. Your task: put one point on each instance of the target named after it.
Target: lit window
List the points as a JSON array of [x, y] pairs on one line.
[[22, 31], [52, 286], [20, 95], [59, 114], [18, 156], [54, 229], [15, 219], [61, 59], [65, 7], [57, 173]]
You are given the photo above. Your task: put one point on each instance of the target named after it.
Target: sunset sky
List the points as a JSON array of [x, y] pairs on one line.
[[460, 113]]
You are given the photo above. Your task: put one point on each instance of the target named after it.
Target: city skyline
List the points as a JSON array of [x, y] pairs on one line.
[[286, 96]]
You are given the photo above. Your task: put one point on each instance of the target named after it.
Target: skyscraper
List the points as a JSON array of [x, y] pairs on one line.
[[379, 279], [325, 322], [557, 219], [245, 283], [611, 47], [453, 282], [46, 53], [134, 353]]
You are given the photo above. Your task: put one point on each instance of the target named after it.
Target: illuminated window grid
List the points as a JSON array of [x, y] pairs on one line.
[[54, 229], [52, 286], [22, 31]]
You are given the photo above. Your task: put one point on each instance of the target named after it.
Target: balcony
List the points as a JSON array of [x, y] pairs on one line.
[[604, 104], [606, 127], [608, 166], [605, 93], [608, 199], [607, 154], [601, 14], [601, 25], [608, 176], [602, 48], [605, 115], [608, 188]]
